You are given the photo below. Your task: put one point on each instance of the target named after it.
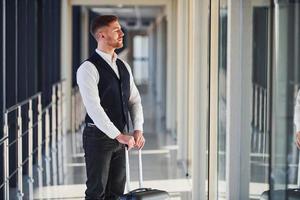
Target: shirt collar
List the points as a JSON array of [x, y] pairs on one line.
[[107, 56]]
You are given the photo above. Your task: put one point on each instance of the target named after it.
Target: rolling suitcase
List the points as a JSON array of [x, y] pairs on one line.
[[141, 193], [291, 194]]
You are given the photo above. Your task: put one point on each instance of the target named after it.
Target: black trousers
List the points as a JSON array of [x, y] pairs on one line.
[[105, 165]]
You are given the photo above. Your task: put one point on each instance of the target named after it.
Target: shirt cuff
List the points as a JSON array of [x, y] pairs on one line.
[[138, 127], [114, 133]]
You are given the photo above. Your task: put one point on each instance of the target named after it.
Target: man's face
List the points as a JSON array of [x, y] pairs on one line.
[[112, 35]]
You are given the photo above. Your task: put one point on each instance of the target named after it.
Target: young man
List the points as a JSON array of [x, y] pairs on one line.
[[108, 91], [297, 119]]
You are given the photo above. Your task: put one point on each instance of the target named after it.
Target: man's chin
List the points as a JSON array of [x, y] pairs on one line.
[[119, 46]]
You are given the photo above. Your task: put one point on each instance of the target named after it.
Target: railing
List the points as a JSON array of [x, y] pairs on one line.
[[55, 136], [260, 143], [78, 115], [4, 144], [260, 129]]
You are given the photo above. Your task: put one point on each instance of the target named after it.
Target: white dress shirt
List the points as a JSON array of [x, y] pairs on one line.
[[88, 79]]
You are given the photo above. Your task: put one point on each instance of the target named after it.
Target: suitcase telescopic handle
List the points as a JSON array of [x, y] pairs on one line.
[[128, 169]]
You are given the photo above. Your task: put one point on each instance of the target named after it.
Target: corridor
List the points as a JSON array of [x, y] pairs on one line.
[[219, 81], [160, 167]]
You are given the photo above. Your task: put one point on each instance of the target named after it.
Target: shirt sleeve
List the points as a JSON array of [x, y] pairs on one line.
[[297, 113], [135, 103], [87, 80]]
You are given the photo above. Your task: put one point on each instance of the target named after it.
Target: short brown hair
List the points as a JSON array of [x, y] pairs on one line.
[[101, 21]]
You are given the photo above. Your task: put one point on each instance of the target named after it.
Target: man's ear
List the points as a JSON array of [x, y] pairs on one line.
[[99, 35]]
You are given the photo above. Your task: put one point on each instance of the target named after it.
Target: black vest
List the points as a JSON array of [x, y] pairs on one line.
[[114, 92]]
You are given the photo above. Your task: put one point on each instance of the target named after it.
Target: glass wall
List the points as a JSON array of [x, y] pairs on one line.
[[222, 79], [286, 76], [274, 156], [141, 59], [260, 131], [275, 53], [275, 80]]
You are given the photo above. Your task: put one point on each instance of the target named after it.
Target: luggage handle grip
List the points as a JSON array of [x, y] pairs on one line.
[[128, 168]]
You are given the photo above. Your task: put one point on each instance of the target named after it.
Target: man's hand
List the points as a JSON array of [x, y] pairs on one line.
[[126, 139], [297, 140], [139, 139]]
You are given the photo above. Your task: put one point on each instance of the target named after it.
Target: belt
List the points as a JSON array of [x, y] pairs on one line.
[[94, 126], [90, 125]]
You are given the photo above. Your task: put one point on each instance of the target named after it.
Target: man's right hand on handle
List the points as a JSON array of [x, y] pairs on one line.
[[126, 139]]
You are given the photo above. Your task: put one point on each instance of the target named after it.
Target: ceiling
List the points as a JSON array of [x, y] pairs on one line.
[[132, 17]]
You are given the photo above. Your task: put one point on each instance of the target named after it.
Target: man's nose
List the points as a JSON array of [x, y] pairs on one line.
[[121, 34]]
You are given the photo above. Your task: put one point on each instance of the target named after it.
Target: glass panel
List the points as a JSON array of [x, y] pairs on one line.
[[285, 156], [141, 59], [259, 153], [222, 100]]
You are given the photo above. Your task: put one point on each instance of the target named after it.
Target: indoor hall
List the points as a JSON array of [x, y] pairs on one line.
[[218, 81]]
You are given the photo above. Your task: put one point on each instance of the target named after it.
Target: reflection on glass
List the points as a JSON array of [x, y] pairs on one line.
[[259, 153], [285, 156], [222, 101]]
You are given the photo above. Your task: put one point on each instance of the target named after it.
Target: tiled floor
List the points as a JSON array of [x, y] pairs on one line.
[[160, 167]]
